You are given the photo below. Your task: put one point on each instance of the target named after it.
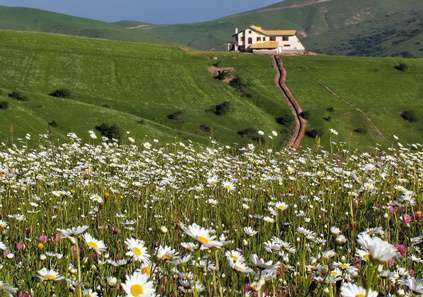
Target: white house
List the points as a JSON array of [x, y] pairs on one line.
[[258, 40]]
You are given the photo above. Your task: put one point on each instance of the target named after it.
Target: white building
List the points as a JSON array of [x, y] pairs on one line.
[[258, 40]]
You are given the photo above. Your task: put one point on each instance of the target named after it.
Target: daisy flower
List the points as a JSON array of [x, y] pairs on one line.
[[137, 250], [351, 290], [203, 236], [73, 231], [137, 285], [165, 253], [49, 275], [93, 244]]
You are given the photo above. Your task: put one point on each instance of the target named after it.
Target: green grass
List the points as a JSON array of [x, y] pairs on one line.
[[133, 85], [306, 212], [361, 27], [370, 94]]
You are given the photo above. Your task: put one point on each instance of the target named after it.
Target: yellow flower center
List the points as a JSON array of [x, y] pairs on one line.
[[366, 257], [360, 295], [92, 244], [202, 239], [137, 290], [234, 258], [333, 273], [137, 251], [344, 266], [49, 277], [146, 270]]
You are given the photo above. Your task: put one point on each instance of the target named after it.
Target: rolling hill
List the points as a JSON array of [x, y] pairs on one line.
[[360, 27], [151, 90], [164, 92]]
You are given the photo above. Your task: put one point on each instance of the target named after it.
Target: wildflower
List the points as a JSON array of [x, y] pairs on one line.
[[137, 250], [7, 289], [202, 235], [250, 231], [73, 231], [90, 293], [351, 290], [49, 275], [378, 249], [137, 285], [111, 281], [165, 253], [93, 244], [281, 206]]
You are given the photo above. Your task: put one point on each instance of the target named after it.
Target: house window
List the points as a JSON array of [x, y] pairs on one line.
[[286, 45], [258, 38], [250, 40], [285, 38], [249, 32], [273, 38]]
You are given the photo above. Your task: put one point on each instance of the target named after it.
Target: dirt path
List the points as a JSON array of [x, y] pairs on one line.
[[300, 123]]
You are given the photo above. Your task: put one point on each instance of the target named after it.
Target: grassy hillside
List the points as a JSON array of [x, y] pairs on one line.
[[360, 27], [152, 90], [364, 99]]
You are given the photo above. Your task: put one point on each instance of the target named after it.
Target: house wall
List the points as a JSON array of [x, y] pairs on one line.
[[241, 41]]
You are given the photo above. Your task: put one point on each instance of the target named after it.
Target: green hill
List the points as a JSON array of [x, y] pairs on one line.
[[166, 93], [359, 27], [158, 91]]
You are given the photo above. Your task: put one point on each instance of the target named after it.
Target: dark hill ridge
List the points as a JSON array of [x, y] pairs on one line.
[[359, 27]]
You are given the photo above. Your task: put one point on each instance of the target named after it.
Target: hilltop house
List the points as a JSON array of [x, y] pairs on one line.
[[258, 40]]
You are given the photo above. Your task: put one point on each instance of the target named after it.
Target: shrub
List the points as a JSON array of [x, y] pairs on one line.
[[221, 75], [109, 131], [305, 115], [18, 96], [409, 116], [328, 118], [205, 128], [401, 67], [251, 134], [53, 124], [175, 116], [281, 120], [360, 130], [313, 133], [330, 109], [61, 93], [4, 105], [220, 109]]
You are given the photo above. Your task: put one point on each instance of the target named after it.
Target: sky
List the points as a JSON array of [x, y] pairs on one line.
[[154, 11]]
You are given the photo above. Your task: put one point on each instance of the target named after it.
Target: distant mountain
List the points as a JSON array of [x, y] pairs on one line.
[[358, 27]]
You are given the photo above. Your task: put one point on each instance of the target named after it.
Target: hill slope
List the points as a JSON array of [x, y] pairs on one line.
[[152, 90], [360, 27]]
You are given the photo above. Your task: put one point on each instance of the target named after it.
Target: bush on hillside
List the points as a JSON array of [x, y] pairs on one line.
[[53, 124], [401, 67], [330, 109], [176, 116], [239, 85], [4, 105], [281, 120], [328, 118], [252, 134], [220, 109], [109, 131], [305, 115], [206, 128], [313, 133], [17, 96], [61, 93], [409, 116], [360, 130]]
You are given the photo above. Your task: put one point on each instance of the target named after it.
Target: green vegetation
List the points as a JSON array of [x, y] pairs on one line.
[[359, 27], [133, 86], [365, 99], [79, 219]]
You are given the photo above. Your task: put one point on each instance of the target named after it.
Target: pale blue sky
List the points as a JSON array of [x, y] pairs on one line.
[[155, 11]]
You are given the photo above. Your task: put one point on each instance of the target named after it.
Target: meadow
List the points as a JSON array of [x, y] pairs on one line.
[[173, 219], [151, 90]]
